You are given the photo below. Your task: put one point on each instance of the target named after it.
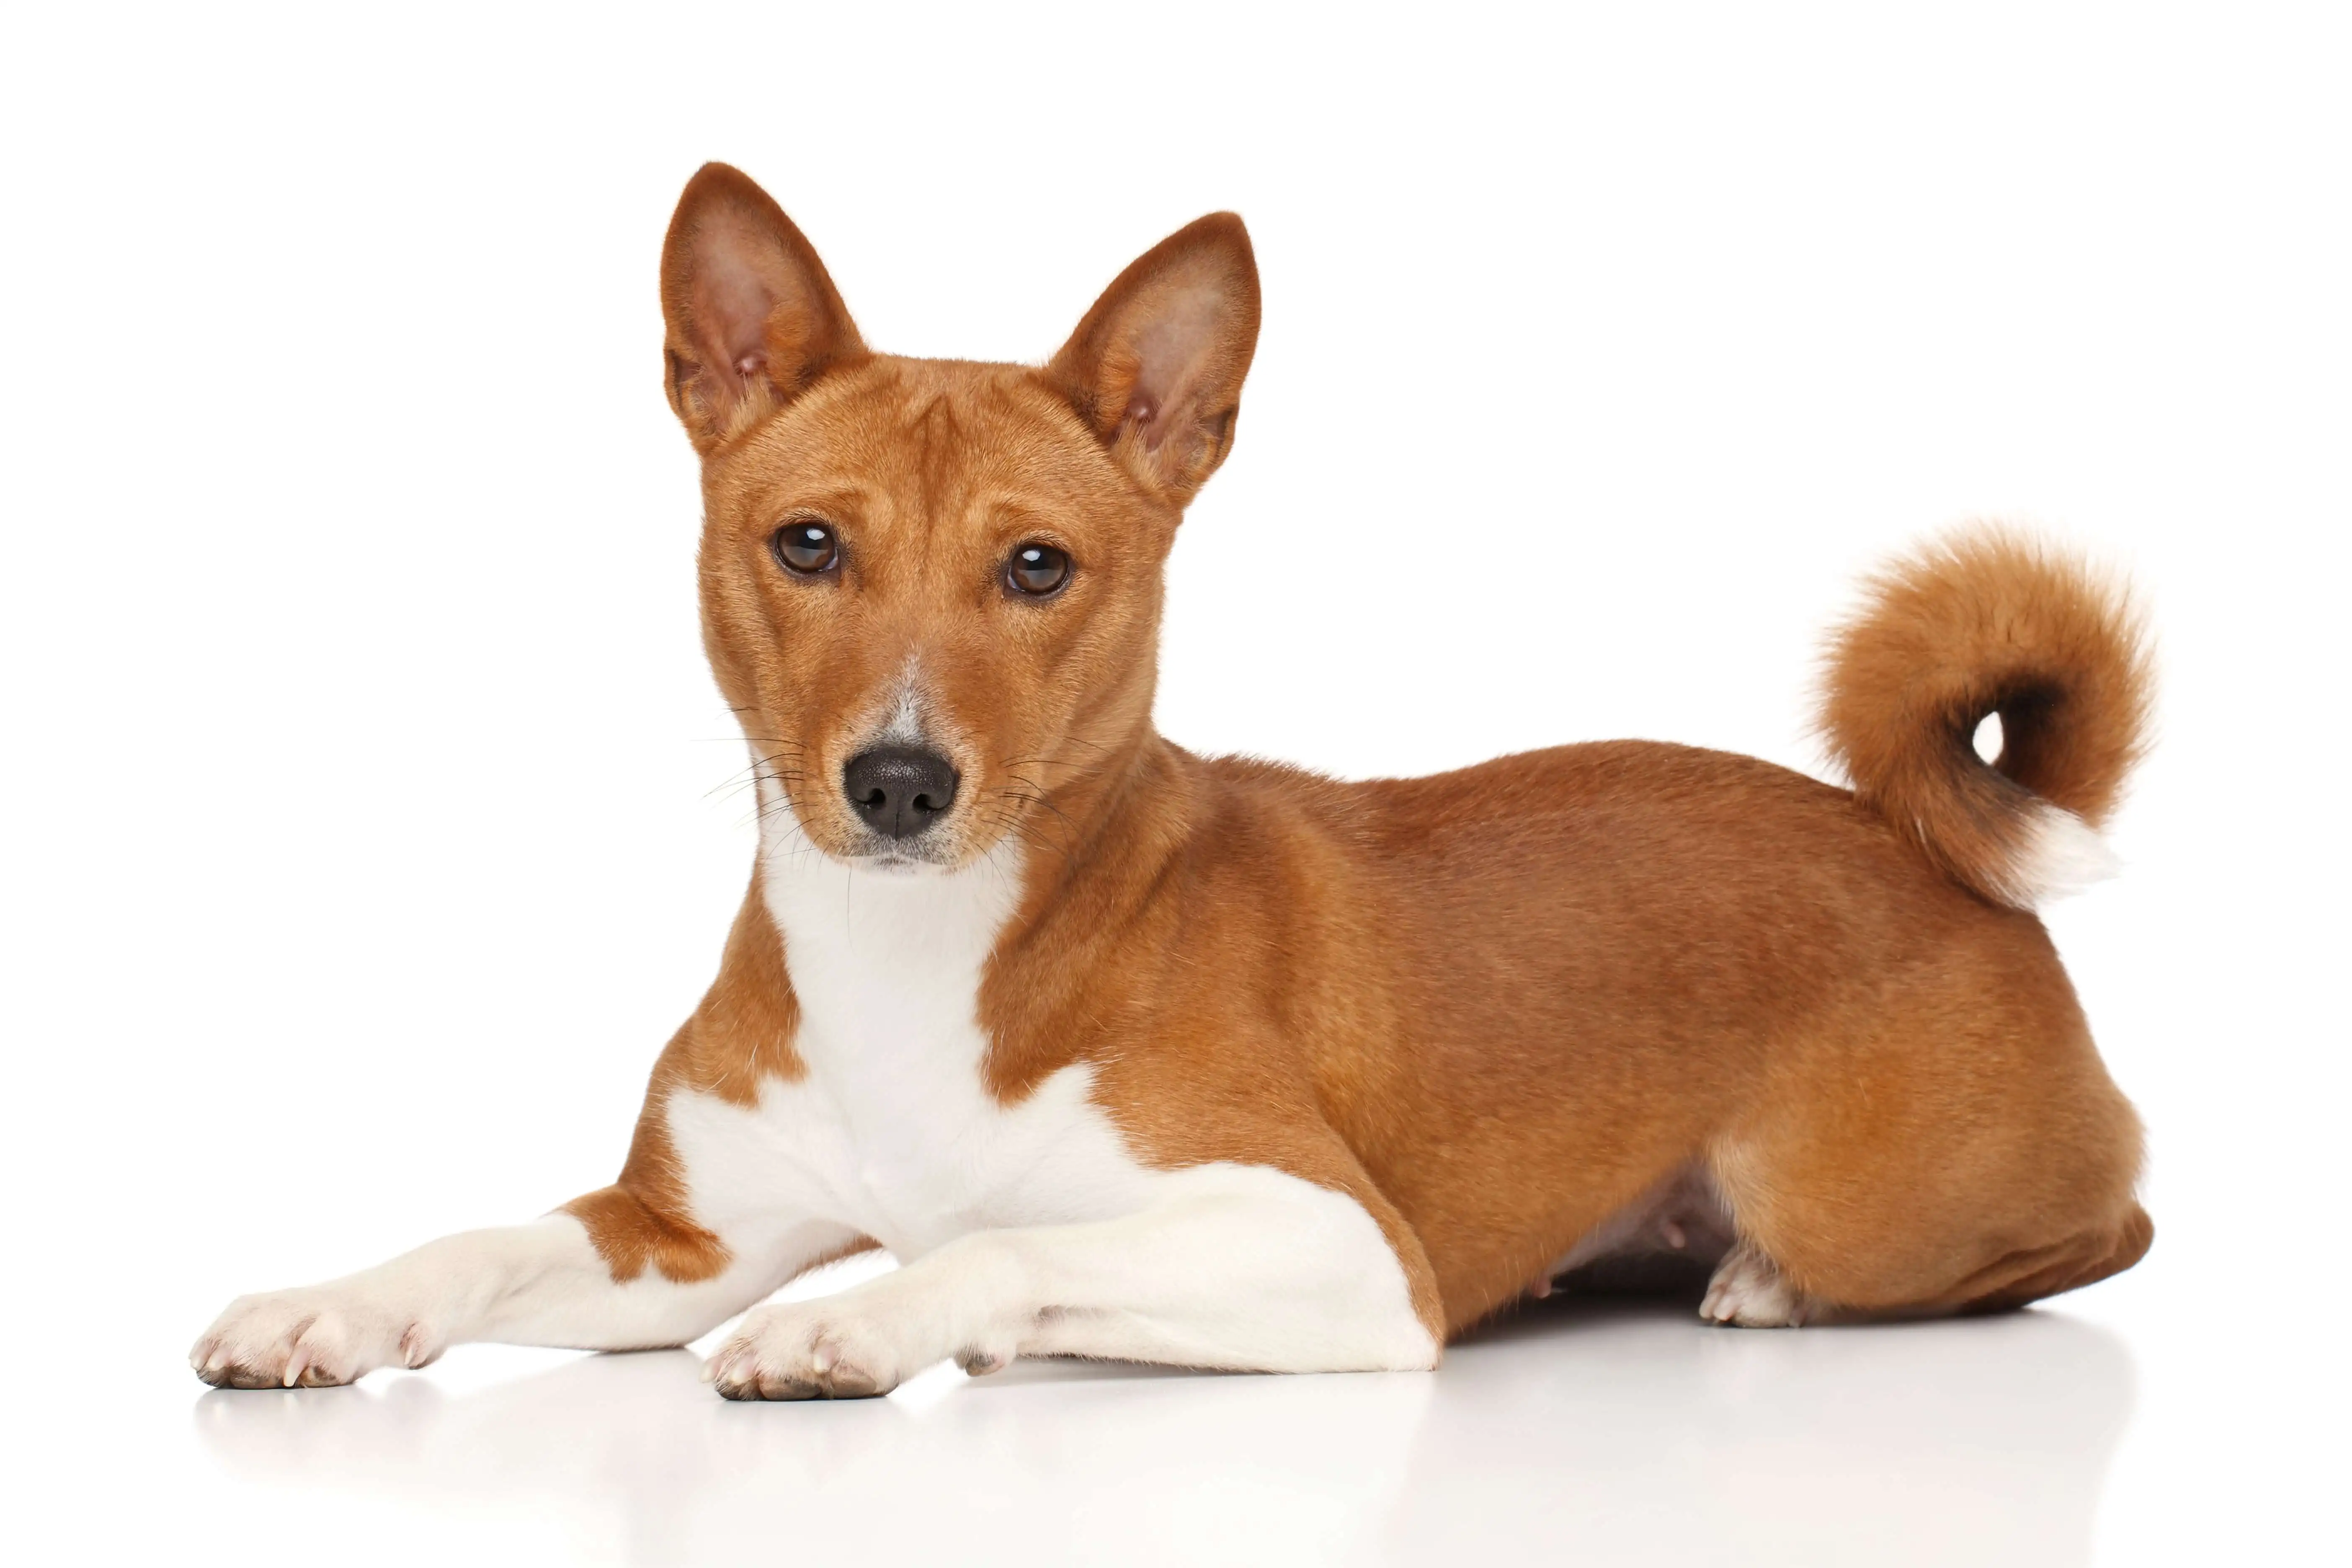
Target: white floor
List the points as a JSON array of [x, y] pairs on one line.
[[1591, 1431]]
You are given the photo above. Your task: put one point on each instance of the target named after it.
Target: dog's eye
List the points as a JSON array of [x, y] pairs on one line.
[[807, 548], [1037, 569]]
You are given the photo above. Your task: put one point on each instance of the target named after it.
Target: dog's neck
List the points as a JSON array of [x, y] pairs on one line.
[[895, 959]]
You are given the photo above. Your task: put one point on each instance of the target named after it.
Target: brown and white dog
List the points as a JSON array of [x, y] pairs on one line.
[[1129, 1053]]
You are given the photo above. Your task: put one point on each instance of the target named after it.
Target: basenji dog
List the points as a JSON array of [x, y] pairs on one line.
[[1128, 1053]]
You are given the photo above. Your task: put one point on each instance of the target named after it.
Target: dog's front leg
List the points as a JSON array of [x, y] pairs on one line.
[[544, 1283], [1236, 1267]]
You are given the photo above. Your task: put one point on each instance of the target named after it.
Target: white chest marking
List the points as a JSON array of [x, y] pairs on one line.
[[893, 1131]]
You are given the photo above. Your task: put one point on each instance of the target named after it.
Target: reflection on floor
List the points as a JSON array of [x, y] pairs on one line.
[[1600, 1431]]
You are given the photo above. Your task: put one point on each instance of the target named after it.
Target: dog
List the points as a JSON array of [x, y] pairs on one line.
[[1128, 1053]]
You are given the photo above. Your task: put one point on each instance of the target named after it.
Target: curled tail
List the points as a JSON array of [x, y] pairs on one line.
[[1990, 621]]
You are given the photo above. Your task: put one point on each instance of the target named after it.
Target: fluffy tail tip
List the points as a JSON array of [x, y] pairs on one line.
[[1992, 620]]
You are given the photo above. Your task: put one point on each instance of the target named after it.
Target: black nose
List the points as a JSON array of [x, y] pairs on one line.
[[899, 790]]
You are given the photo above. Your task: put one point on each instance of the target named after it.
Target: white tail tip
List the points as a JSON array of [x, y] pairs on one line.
[[2059, 855]]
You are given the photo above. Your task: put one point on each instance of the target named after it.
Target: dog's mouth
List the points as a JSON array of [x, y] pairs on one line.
[[939, 851], [820, 827], [789, 831]]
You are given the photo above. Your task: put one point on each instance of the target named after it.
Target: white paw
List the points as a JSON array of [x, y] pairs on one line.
[[850, 1346], [1748, 1290], [313, 1338]]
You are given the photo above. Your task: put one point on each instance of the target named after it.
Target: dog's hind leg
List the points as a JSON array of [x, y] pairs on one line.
[[1748, 1291], [1959, 1149]]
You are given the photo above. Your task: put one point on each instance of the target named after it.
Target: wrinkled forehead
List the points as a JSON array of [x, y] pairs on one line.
[[900, 443]]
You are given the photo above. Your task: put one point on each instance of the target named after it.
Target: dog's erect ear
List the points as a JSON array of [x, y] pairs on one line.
[[752, 317], [1156, 367]]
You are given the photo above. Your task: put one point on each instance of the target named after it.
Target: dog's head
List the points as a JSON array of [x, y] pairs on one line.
[[931, 588]]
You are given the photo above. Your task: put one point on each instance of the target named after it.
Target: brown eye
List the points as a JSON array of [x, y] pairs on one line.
[[807, 548], [1037, 569]]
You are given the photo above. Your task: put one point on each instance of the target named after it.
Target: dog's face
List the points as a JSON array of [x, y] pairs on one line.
[[929, 593], [931, 589]]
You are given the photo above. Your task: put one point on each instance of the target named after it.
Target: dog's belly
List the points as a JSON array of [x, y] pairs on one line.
[[1682, 1221]]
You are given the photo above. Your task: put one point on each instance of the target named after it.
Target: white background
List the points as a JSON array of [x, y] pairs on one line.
[[366, 817]]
